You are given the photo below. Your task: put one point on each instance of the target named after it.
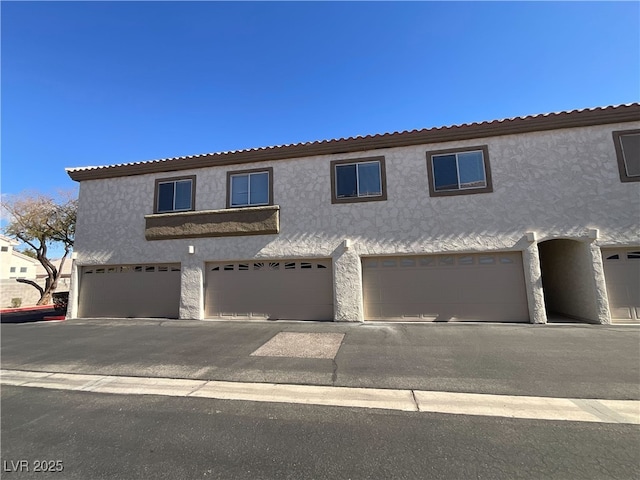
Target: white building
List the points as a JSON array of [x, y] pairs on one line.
[[15, 265], [511, 220]]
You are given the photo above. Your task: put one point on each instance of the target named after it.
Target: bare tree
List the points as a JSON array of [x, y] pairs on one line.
[[39, 221]]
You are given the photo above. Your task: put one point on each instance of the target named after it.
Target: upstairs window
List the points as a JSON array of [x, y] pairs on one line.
[[459, 171], [358, 181], [250, 188], [175, 194], [627, 144], [4, 249]]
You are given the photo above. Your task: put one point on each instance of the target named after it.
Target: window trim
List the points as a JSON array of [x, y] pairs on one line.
[[355, 161], [464, 191], [170, 180], [622, 165], [268, 170]]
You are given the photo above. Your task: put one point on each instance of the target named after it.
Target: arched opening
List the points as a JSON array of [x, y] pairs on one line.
[[568, 281]]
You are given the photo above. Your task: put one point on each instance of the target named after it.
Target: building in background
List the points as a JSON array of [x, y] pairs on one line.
[[14, 265]]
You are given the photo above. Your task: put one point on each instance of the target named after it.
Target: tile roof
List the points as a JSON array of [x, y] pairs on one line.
[[529, 123]]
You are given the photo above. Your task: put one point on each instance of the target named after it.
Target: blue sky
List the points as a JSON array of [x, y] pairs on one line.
[[97, 83]]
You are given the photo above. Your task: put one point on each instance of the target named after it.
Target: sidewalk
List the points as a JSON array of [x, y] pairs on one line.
[[539, 408]]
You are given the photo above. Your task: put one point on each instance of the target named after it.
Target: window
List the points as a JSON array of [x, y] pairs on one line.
[[459, 171], [486, 260], [627, 145], [175, 194], [363, 180], [12, 270], [23, 269], [250, 188], [4, 249]]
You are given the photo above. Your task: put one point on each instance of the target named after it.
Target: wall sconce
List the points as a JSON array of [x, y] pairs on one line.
[[531, 236], [346, 244], [593, 233], [191, 249]]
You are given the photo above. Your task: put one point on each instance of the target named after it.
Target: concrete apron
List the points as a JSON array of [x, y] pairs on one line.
[[539, 408]]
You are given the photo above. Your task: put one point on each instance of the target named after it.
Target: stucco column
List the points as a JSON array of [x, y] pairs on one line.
[[533, 283], [72, 306], [347, 285], [602, 299], [192, 289]]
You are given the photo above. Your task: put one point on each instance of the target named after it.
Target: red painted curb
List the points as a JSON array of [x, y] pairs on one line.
[[54, 317], [34, 308]]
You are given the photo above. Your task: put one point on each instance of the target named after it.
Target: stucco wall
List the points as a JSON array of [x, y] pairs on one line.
[[568, 280], [557, 183]]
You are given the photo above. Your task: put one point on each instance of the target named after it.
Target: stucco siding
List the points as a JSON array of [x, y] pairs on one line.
[[558, 183], [568, 281]]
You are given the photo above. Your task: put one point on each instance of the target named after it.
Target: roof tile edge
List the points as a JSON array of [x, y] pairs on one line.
[[530, 123]]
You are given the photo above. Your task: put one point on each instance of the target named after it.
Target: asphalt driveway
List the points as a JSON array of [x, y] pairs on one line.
[[578, 361]]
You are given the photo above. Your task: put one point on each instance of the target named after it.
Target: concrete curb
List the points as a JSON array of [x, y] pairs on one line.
[[507, 406], [33, 308]]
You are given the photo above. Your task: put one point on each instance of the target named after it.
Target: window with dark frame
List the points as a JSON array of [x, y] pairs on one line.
[[250, 188], [174, 195], [358, 180], [627, 146], [459, 171]]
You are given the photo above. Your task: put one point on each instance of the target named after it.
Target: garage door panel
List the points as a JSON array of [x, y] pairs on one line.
[[621, 313], [130, 291], [622, 276], [479, 287], [497, 312], [618, 294], [499, 292], [276, 289]]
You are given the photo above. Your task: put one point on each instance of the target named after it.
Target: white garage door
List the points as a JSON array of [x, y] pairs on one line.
[[273, 289], [474, 287], [121, 291], [622, 274]]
